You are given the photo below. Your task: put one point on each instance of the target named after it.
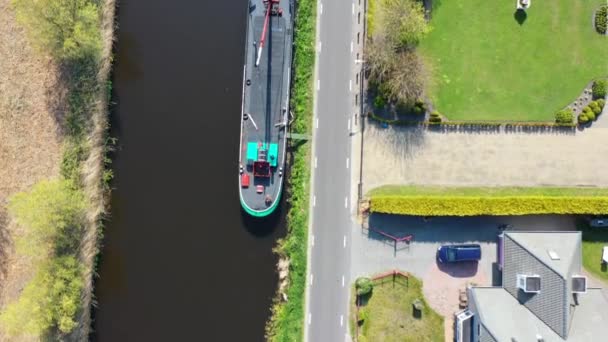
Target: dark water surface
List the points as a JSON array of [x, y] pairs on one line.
[[181, 262]]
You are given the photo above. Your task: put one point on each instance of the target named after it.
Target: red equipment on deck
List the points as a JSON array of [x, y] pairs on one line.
[[269, 10], [245, 180]]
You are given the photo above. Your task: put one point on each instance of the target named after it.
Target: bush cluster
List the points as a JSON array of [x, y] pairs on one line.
[[364, 286], [564, 116], [478, 205], [601, 19], [51, 217], [583, 118], [435, 117], [599, 89]]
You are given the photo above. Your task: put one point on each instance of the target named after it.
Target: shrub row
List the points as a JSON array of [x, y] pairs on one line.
[[601, 19], [591, 111], [599, 89], [476, 205], [564, 116], [287, 319]]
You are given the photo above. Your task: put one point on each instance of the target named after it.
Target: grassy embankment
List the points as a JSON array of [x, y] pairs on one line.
[[286, 323], [489, 64], [60, 220], [471, 201], [387, 313]]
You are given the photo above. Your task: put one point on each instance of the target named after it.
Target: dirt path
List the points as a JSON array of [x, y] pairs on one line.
[[404, 155], [30, 138]]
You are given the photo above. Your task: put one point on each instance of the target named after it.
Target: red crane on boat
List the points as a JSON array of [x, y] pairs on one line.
[[269, 11]]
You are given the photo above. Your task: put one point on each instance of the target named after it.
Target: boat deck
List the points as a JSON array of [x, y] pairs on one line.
[[265, 108]]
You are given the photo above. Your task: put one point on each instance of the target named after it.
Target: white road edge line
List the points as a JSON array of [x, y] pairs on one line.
[[344, 241], [316, 162], [351, 46], [314, 200], [341, 320], [350, 85], [348, 125], [320, 8], [342, 280], [353, 9], [312, 241], [317, 122], [309, 318], [345, 202], [347, 162], [311, 278], [318, 84]]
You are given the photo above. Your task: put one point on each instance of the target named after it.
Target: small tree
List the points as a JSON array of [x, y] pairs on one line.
[[50, 216], [66, 28], [52, 298], [364, 286]]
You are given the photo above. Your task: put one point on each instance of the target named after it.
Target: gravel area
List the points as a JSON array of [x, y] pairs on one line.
[[408, 155]]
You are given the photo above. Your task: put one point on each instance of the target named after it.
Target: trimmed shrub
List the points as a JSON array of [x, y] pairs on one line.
[[595, 108], [601, 20], [435, 117], [601, 103], [364, 286], [590, 115], [481, 205], [564, 116], [583, 118], [599, 89]]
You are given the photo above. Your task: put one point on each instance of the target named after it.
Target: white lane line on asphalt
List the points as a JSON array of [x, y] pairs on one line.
[[341, 320], [320, 8], [345, 202], [350, 85], [348, 124], [311, 278], [353, 9], [344, 241], [315, 162], [319, 47], [351, 46], [317, 122], [314, 200], [318, 84], [309, 318], [312, 242], [347, 162], [343, 281]]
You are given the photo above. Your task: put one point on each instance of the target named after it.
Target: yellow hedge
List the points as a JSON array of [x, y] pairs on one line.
[[473, 205]]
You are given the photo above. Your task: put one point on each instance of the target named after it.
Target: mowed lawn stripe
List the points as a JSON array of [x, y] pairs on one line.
[[486, 66]]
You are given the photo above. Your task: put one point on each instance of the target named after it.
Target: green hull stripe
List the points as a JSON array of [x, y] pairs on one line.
[[264, 212]]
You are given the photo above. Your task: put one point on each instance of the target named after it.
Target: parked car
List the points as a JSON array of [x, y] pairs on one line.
[[456, 253], [599, 222]]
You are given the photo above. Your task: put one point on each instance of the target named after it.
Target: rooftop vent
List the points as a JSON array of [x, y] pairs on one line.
[[579, 284], [528, 283], [553, 255], [539, 338]]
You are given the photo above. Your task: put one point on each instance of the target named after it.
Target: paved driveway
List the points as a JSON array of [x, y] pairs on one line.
[[407, 155], [373, 253]]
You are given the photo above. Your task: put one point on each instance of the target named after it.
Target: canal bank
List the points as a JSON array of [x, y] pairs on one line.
[[181, 261]]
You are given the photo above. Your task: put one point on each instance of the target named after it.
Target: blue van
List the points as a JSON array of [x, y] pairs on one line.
[[456, 253]]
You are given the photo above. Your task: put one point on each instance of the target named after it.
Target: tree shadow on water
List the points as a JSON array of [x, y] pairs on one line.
[[520, 16]]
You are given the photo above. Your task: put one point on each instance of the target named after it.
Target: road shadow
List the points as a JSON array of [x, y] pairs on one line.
[[465, 269], [520, 16], [436, 229]]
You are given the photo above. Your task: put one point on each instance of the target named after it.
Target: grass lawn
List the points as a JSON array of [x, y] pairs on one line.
[[487, 66], [390, 317], [593, 241]]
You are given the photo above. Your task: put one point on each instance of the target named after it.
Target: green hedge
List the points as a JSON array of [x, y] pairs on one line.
[[601, 20], [287, 320], [438, 201]]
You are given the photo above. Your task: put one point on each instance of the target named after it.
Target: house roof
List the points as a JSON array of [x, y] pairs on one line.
[[540, 244], [505, 318]]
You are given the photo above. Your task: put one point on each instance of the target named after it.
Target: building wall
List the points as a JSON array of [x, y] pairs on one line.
[[550, 305], [575, 269]]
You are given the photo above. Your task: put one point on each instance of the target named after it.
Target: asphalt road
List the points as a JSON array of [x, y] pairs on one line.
[[327, 309]]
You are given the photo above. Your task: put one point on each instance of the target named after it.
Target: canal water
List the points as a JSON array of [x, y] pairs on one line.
[[180, 261]]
